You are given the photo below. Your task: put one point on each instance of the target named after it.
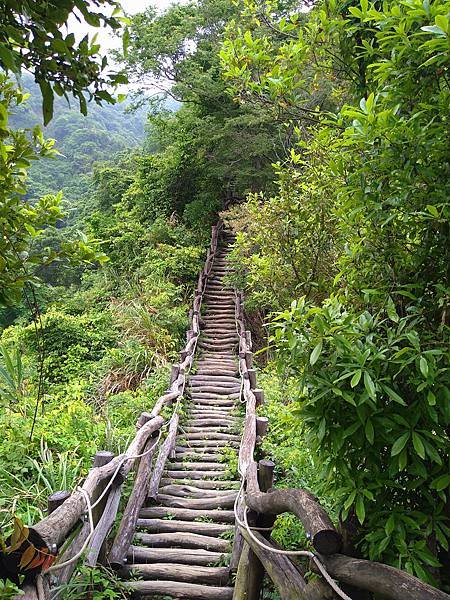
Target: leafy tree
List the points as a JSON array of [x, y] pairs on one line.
[[372, 360], [32, 38], [214, 146]]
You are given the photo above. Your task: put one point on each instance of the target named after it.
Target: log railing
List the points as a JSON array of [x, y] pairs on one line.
[[68, 530], [255, 554]]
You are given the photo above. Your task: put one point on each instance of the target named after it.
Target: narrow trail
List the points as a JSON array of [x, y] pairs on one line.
[[183, 540]]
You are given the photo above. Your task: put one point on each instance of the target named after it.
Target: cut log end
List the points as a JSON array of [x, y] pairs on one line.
[[327, 541]]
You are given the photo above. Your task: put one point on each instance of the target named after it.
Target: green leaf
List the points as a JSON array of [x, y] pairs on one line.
[[7, 58], [393, 395], [390, 525], [431, 398], [423, 364], [356, 378], [418, 445], [433, 211], [369, 385], [400, 443], [442, 22], [322, 429], [441, 483], [47, 101], [392, 313], [360, 508], [369, 431], [315, 353]]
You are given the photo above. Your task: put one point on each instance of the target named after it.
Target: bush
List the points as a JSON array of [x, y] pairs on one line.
[[374, 398]]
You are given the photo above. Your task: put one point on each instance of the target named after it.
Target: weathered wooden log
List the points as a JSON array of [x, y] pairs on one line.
[[54, 528], [127, 526], [252, 377], [181, 572], [252, 568], [163, 455], [143, 419], [101, 458], [164, 400], [190, 491], [186, 540], [248, 339], [198, 466], [185, 514], [249, 435], [188, 556], [259, 395], [63, 575], [174, 372], [56, 499], [96, 545], [210, 503], [36, 591], [180, 528], [262, 424], [207, 485], [306, 507], [181, 591], [286, 578], [388, 582]]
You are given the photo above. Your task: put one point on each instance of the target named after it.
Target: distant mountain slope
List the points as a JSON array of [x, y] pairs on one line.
[[82, 141]]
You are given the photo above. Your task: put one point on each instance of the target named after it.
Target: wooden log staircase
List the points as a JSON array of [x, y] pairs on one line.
[[192, 528], [182, 544]]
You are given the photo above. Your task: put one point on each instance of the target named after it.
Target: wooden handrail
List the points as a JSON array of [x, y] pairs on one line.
[[56, 527]]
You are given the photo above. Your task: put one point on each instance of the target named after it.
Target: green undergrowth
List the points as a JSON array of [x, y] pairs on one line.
[[285, 445]]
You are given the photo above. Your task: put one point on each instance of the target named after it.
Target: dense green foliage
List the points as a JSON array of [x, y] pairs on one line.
[[82, 142], [32, 39], [360, 216], [326, 133]]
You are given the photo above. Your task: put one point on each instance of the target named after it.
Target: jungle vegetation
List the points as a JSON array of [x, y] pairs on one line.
[[325, 129]]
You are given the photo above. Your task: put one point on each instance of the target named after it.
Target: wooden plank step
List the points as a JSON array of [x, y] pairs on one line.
[[147, 514], [216, 378], [197, 466], [179, 590], [224, 389], [193, 556], [211, 422], [180, 572], [190, 491], [220, 501], [210, 444], [210, 435], [222, 484], [192, 474], [183, 539], [208, 429], [155, 524], [192, 455]]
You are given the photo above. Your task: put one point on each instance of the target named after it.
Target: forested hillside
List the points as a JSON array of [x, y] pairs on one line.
[[319, 135]]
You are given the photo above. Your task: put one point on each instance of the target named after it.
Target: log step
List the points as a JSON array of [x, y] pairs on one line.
[[179, 590], [197, 466], [191, 491], [221, 501], [149, 513], [139, 554], [223, 484], [184, 539], [180, 572], [151, 520], [192, 474]]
